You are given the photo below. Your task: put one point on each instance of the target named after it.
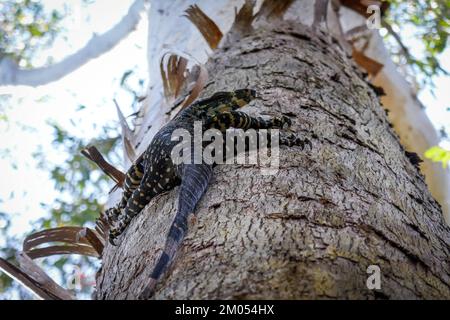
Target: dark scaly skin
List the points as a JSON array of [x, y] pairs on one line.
[[155, 173]]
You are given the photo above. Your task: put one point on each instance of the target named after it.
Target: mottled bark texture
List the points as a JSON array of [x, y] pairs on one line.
[[310, 231]]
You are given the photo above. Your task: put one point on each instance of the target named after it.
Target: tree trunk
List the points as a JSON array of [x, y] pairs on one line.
[[311, 231]]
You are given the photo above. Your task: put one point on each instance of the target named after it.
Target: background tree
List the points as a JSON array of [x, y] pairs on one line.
[[30, 28]]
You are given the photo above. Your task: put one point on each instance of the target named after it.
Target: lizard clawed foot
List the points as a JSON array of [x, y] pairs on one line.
[[113, 234], [192, 219], [112, 214], [294, 140], [118, 229], [282, 122]]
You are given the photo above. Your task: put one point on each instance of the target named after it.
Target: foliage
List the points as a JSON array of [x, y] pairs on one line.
[[430, 21], [83, 189], [26, 28], [438, 154], [78, 179]]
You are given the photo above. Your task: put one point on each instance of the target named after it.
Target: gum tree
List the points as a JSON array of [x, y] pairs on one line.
[[355, 200]]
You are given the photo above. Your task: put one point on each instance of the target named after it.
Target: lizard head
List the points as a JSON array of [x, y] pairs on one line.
[[241, 97]]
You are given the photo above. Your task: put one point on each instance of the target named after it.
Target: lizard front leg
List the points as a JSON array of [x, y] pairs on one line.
[[241, 120], [293, 140]]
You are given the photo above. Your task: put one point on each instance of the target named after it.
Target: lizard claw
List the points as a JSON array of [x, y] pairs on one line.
[[303, 142], [193, 219], [306, 141], [112, 238], [287, 122], [282, 122], [294, 140], [112, 214]]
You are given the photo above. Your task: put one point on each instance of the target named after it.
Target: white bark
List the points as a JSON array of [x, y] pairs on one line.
[[11, 74]]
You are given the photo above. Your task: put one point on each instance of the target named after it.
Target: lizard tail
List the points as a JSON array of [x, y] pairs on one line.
[[194, 181], [162, 265]]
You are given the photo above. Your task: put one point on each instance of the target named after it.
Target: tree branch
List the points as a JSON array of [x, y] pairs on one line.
[[404, 49], [320, 14], [11, 74]]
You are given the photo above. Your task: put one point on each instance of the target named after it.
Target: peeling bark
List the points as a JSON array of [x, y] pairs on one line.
[[312, 230]]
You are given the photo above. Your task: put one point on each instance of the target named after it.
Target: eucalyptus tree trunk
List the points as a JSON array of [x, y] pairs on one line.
[[310, 231]]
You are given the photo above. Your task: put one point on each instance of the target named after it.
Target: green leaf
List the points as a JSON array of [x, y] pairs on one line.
[[438, 154], [34, 30]]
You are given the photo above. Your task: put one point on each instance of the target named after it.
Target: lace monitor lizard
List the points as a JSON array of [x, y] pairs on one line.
[[154, 172]]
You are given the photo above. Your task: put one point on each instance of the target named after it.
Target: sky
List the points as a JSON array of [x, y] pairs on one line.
[[23, 187], [94, 85]]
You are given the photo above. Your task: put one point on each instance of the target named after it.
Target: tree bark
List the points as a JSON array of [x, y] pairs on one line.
[[406, 112], [311, 231]]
